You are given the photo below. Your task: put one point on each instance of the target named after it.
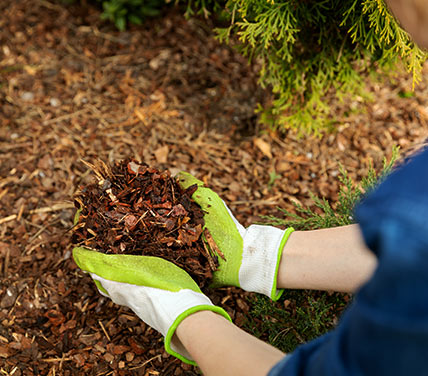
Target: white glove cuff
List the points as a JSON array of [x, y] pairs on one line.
[[156, 307], [161, 309], [261, 255]]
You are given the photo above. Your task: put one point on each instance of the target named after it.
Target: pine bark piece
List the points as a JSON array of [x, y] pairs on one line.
[[140, 210]]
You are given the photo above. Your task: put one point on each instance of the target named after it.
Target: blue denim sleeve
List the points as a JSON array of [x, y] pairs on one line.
[[385, 330]]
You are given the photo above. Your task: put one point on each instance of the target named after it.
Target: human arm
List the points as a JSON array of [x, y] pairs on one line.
[[335, 259], [384, 331], [221, 348], [266, 259], [330, 259], [159, 292]]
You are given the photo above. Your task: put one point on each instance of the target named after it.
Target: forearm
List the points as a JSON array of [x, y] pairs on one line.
[[330, 259], [221, 348]]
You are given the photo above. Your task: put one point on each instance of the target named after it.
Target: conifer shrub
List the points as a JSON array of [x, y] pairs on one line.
[[123, 12], [311, 53]]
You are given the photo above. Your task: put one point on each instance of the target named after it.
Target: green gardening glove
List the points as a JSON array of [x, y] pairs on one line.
[[159, 292], [251, 256]]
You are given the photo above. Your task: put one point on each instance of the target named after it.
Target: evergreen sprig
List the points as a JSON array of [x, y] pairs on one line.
[[309, 49], [306, 218], [311, 52]]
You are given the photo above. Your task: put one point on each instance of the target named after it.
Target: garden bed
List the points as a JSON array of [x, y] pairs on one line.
[[168, 95]]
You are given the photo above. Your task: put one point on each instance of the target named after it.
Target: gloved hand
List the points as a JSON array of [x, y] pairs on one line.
[[159, 292], [252, 255]]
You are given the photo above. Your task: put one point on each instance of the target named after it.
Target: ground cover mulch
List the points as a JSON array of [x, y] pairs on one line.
[[168, 95], [135, 209]]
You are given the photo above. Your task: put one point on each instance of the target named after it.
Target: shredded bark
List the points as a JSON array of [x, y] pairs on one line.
[[139, 210], [167, 93]]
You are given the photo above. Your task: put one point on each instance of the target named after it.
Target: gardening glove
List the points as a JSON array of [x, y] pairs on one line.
[[159, 292], [251, 255]]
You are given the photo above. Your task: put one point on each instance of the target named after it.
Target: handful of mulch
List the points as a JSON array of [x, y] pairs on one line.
[[136, 209]]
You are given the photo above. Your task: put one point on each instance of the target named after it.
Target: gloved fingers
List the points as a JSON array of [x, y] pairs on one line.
[[158, 308], [218, 218], [207, 199], [100, 288], [135, 270], [240, 228], [186, 180]]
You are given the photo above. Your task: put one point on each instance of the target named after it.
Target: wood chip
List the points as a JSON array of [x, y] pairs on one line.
[[212, 244]]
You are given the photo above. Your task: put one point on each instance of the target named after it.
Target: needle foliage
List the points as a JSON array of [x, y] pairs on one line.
[[323, 215], [311, 52]]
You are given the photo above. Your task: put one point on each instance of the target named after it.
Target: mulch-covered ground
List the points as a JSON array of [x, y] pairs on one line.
[[169, 95]]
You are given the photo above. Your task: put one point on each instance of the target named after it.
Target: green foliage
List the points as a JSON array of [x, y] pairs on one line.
[[309, 314], [273, 176], [350, 193], [311, 53], [311, 49], [206, 8], [406, 94], [120, 12]]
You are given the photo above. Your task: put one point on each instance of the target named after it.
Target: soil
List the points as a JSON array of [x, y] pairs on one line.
[[135, 209], [169, 95]]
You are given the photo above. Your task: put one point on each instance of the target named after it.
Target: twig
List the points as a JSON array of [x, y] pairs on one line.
[[41, 230], [8, 219], [146, 362], [252, 203], [51, 6], [104, 330], [3, 193], [53, 360], [213, 244], [53, 208], [21, 210], [65, 117], [97, 33], [209, 257], [94, 169], [15, 146], [47, 209]]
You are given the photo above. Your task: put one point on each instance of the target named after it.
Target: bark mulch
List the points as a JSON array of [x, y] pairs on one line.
[[136, 209], [168, 95]]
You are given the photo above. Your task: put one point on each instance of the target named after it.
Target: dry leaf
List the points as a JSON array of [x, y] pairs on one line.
[[4, 352], [263, 146], [161, 154]]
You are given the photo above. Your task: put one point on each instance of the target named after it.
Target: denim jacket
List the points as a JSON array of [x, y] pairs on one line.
[[385, 330]]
